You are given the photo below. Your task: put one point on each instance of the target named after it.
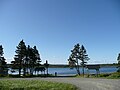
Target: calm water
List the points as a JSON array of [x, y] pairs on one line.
[[68, 71]]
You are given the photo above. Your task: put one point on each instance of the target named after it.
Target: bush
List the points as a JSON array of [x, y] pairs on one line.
[[104, 75], [1, 75], [118, 70], [114, 75], [14, 76]]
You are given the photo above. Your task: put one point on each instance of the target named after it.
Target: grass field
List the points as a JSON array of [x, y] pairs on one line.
[[33, 85], [115, 75]]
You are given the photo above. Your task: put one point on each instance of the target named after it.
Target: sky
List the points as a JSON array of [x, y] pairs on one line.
[[55, 26]]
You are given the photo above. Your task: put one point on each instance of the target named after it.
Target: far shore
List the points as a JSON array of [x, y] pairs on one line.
[[66, 66]]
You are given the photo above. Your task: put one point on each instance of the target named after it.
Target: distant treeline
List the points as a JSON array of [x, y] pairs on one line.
[[66, 66]]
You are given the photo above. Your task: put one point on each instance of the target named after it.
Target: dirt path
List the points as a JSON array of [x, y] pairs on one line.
[[85, 83], [89, 84]]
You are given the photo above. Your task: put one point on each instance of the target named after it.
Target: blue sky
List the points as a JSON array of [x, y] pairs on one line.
[[55, 26]]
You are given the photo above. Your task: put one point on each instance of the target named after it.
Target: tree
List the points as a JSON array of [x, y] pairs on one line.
[[74, 57], [26, 58], [34, 57], [20, 54], [83, 57], [3, 64], [46, 66], [118, 59], [1, 51], [78, 54]]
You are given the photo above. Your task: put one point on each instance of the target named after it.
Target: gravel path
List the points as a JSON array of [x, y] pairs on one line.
[[89, 84], [85, 83]]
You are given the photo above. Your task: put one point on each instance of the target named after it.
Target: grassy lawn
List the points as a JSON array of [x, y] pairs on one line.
[[115, 75], [33, 85]]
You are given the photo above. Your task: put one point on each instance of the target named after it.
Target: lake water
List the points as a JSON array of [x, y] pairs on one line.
[[68, 71]]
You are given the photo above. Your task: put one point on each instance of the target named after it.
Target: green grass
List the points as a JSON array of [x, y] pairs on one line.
[[34, 85], [115, 75]]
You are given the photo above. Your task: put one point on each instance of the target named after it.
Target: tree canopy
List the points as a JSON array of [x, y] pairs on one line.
[[118, 59], [3, 63], [26, 58], [78, 54]]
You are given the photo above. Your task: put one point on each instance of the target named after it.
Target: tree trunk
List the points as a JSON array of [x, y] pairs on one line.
[[19, 71], [47, 70], [78, 71], [83, 70], [31, 70], [24, 71]]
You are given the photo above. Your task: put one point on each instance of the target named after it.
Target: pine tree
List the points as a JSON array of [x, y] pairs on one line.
[[34, 58], [74, 57], [20, 54], [118, 59], [83, 57], [78, 54], [3, 64], [26, 58]]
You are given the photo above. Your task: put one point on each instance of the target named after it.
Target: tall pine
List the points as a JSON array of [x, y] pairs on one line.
[[3, 63], [20, 54]]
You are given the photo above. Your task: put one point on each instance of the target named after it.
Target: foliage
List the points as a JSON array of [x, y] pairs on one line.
[[114, 75], [1, 51], [26, 58], [118, 70], [33, 85], [20, 54], [46, 66], [3, 64], [118, 59], [78, 53], [104, 75], [33, 58]]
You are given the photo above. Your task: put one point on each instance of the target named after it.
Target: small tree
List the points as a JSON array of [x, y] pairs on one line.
[[46, 66]]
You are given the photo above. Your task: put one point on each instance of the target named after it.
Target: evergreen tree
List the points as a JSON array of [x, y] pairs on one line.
[[74, 57], [83, 57], [118, 59], [78, 53], [1, 51], [34, 58], [26, 58], [20, 54], [3, 64]]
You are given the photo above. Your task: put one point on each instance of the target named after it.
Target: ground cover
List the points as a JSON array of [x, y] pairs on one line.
[[33, 85], [115, 75]]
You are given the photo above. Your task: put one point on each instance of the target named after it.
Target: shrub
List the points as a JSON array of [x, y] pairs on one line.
[[104, 75], [115, 75]]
